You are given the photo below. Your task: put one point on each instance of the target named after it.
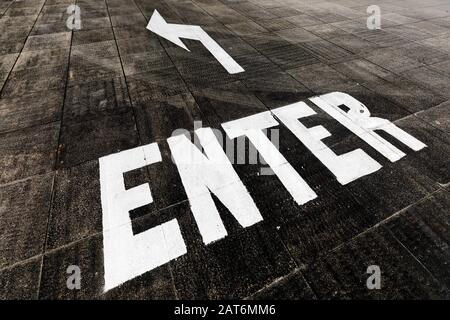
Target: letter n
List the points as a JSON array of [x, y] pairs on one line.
[[202, 174]]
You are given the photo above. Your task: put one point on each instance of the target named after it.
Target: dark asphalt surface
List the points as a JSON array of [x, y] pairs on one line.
[[71, 97]]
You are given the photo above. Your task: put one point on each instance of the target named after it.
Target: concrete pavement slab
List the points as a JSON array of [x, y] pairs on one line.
[[393, 61], [21, 281], [30, 110], [6, 64], [100, 137], [328, 52], [42, 58], [423, 230], [311, 77], [93, 35], [296, 35], [89, 100], [434, 163], [23, 82], [437, 116], [342, 274], [276, 24], [23, 153], [423, 54], [244, 28], [24, 217], [48, 41], [249, 259], [291, 287], [76, 209], [431, 79], [408, 94], [277, 89], [291, 56]]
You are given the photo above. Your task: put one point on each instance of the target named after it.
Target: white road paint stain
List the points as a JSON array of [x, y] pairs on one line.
[[346, 167], [201, 174], [127, 256], [173, 33], [252, 127], [358, 120]]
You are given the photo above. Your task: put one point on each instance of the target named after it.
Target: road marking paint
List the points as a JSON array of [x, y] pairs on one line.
[[214, 173], [173, 33], [346, 167], [127, 256], [358, 120], [252, 127]]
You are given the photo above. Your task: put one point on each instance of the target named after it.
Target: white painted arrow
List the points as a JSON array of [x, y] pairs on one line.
[[173, 33]]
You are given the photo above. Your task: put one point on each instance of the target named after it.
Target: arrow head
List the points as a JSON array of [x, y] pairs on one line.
[[158, 25]]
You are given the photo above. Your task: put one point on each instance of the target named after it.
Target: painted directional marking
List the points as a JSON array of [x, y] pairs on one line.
[[128, 255], [173, 33]]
